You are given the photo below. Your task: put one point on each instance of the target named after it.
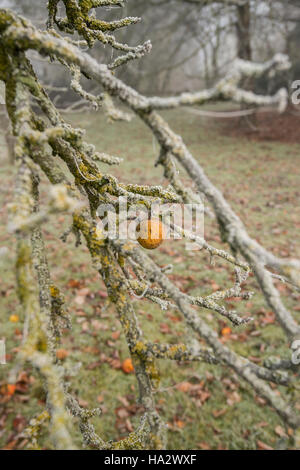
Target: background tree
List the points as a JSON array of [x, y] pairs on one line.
[[195, 42]]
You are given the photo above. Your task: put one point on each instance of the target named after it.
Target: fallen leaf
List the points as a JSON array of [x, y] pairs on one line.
[[94, 365], [10, 445], [262, 424], [226, 331], [116, 335], [233, 398], [174, 318], [218, 413], [83, 403], [123, 400], [204, 446], [280, 431], [85, 326], [114, 363], [103, 294], [214, 286], [184, 387], [180, 424], [262, 446], [62, 354], [164, 328], [74, 284], [261, 401], [84, 292], [80, 299], [80, 313], [11, 388], [97, 325], [121, 412], [19, 423], [129, 426]]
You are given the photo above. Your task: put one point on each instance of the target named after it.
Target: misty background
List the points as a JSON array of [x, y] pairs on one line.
[[193, 45]]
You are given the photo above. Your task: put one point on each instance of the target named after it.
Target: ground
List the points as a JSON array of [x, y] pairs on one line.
[[206, 407]]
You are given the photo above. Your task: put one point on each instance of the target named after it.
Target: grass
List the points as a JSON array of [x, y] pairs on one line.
[[215, 410]]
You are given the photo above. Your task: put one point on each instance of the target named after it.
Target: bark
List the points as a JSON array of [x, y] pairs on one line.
[[243, 32]]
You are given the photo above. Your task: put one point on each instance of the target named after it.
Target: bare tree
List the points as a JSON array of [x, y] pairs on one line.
[[43, 139]]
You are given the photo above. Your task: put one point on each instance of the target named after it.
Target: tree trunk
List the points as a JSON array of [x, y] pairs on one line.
[[245, 52], [243, 32]]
